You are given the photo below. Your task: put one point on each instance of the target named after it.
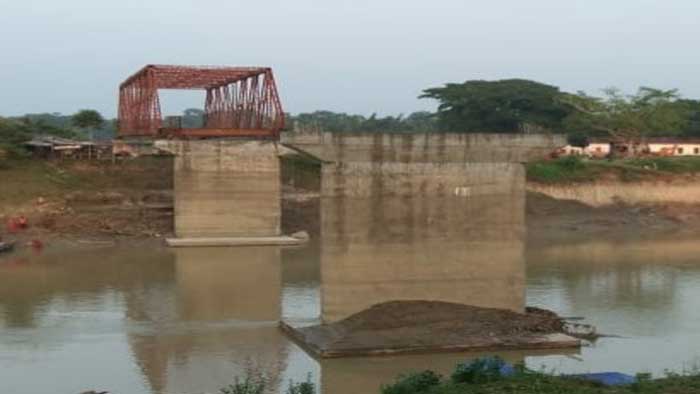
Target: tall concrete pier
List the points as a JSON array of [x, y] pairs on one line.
[[421, 217], [226, 188]]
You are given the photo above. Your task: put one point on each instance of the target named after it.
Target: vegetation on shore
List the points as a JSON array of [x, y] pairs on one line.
[[574, 169], [486, 377], [255, 382], [490, 376]]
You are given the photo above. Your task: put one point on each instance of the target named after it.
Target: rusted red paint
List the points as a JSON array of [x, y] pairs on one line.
[[240, 101]]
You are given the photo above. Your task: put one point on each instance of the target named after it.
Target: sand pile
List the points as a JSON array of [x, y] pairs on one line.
[[419, 326]]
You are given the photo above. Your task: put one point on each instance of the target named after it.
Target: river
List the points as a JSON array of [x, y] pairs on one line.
[[144, 319]]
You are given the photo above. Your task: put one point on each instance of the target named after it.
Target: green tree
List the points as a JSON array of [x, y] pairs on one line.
[[193, 118], [88, 120], [627, 119], [505, 106]]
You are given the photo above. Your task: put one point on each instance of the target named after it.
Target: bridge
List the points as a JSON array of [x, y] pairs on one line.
[[227, 173], [391, 204]]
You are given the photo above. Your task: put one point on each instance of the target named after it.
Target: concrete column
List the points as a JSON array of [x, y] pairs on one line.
[[226, 188]]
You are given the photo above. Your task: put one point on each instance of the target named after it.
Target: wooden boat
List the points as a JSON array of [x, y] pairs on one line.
[[6, 246]]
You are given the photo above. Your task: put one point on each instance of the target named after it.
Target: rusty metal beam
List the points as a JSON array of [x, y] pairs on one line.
[[205, 132], [242, 100]]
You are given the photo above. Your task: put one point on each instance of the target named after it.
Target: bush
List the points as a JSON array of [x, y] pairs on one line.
[[482, 370], [307, 387], [251, 384], [568, 168], [413, 383]]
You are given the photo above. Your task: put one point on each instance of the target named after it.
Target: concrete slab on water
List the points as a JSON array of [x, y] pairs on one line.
[[234, 241]]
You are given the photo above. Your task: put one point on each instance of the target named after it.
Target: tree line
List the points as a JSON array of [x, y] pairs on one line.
[[502, 106], [83, 125]]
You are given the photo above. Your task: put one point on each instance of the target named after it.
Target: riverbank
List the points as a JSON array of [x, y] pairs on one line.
[[95, 200], [572, 199], [133, 199]]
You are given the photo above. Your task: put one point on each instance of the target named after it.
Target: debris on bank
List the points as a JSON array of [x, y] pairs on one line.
[[6, 246], [429, 326]]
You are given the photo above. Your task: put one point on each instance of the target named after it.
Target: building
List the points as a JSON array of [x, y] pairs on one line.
[[660, 146], [673, 147], [57, 147], [596, 148]]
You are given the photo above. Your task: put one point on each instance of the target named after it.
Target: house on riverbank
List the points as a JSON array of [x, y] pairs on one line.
[[659, 146], [51, 147]]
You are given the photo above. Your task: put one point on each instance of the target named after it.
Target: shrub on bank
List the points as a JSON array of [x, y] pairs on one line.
[[413, 383], [486, 376], [254, 382], [563, 169], [572, 169]]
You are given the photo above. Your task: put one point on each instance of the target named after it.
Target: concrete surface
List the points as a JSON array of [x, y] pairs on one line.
[[225, 188], [235, 241]]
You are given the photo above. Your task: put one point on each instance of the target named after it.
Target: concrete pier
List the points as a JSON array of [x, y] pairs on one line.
[[226, 188], [449, 232]]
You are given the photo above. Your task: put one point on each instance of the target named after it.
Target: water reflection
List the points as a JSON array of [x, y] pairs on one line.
[[149, 320], [397, 248], [644, 291], [226, 304]]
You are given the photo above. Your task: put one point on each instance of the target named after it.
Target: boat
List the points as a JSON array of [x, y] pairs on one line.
[[6, 246]]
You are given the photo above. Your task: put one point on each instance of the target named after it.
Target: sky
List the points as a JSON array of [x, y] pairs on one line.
[[355, 56]]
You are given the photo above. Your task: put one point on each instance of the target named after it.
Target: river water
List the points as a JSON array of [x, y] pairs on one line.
[[143, 319]]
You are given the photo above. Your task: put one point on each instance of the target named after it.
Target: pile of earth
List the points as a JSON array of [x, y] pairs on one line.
[[414, 326]]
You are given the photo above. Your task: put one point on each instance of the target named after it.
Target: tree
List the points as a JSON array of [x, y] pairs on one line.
[[88, 119], [627, 119], [580, 140], [192, 118], [505, 106]]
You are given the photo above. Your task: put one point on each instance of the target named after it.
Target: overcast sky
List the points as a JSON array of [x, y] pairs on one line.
[[358, 56]]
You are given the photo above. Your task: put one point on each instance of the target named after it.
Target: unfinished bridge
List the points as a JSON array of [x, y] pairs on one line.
[[452, 197]]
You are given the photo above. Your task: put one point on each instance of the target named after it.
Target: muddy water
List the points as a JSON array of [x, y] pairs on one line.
[[143, 319]]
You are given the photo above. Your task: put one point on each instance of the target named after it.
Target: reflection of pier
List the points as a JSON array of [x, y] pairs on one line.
[[467, 251], [225, 306]]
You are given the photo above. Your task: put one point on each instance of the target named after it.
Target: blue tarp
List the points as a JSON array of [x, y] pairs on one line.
[[607, 378], [486, 364]]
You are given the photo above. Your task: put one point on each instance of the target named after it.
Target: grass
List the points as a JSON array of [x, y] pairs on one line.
[[25, 179], [486, 380], [573, 169]]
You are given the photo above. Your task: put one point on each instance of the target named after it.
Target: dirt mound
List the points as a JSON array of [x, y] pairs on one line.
[[469, 319], [406, 326]]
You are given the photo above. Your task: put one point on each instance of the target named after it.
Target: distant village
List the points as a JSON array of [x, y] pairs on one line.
[[662, 147]]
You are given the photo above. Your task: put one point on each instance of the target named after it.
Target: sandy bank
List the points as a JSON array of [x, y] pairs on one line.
[[679, 189]]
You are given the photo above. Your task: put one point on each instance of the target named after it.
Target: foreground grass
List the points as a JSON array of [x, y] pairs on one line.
[[487, 376], [555, 385], [528, 382], [573, 169]]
